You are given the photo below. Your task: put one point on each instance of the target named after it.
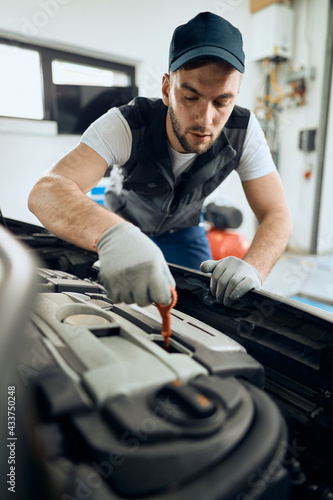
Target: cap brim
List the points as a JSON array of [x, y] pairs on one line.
[[205, 52]]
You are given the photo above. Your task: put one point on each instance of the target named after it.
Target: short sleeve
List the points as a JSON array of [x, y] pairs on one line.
[[111, 137], [256, 160]]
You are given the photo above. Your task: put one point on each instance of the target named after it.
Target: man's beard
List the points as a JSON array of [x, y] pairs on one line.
[[182, 137]]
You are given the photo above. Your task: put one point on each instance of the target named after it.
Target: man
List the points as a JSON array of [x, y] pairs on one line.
[[171, 154]]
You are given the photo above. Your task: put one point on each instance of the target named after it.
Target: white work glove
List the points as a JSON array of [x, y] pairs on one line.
[[132, 267], [231, 278]]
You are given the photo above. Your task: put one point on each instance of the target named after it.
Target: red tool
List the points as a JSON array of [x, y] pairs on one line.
[[164, 311]]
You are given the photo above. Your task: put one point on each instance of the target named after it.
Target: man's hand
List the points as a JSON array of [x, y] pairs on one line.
[[132, 267], [231, 278]]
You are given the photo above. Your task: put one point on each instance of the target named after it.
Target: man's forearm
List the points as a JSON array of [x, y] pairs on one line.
[[66, 211], [269, 242]]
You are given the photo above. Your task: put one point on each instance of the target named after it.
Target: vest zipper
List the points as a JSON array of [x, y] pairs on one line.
[[168, 202]]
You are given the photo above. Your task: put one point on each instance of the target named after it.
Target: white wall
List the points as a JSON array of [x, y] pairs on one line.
[[140, 33], [24, 157]]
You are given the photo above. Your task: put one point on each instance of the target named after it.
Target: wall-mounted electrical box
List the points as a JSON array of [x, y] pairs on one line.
[[307, 140], [272, 31]]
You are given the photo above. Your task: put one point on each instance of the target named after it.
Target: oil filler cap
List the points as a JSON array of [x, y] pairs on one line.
[[188, 406]]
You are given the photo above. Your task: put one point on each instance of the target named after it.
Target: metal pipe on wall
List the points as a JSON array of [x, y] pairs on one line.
[[322, 128]]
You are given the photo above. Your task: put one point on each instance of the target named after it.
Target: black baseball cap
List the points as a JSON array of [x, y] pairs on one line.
[[206, 35]]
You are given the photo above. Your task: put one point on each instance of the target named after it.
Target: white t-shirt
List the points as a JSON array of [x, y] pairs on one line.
[[111, 137], [180, 162]]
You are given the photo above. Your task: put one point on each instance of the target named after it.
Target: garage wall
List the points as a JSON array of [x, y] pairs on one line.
[[127, 31], [139, 33], [299, 169], [123, 30]]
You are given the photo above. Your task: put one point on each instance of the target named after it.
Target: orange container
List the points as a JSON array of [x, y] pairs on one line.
[[224, 243]]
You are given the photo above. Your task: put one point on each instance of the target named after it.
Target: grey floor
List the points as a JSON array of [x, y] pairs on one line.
[[306, 278]]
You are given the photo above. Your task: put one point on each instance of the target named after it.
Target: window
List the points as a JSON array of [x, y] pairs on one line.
[[84, 92], [20, 83], [65, 73], [73, 90]]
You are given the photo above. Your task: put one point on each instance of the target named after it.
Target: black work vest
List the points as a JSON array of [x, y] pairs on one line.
[[149, 198]]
